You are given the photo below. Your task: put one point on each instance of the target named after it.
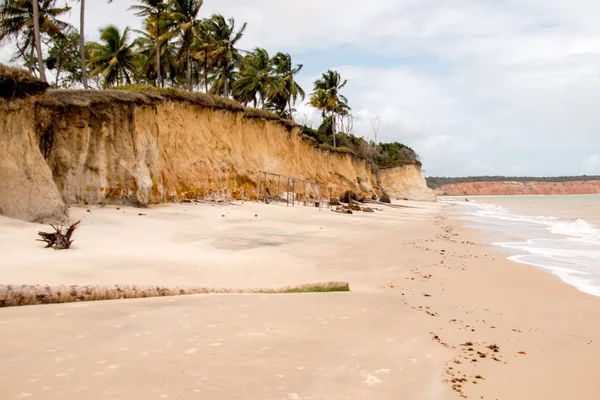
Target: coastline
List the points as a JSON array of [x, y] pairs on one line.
[[559, 234], [422, 285]]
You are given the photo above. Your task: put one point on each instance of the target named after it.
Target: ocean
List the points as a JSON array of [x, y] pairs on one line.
[[560, 234]]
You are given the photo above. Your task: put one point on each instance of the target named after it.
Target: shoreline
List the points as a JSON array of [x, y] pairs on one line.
[[548, 234], [423, 286]]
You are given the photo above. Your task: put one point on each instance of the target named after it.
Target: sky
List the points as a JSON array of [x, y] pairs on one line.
[[487, 87]]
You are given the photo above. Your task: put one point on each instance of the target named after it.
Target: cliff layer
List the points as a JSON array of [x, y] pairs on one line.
[[93, 147], [506, 188]]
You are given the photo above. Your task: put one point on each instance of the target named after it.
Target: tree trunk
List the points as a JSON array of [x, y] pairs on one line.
[[158, 64], [30, 62], [38, 40], [333, 128], [189, 70], [58, 68], [225, 84], [206, 70], [82, 45]]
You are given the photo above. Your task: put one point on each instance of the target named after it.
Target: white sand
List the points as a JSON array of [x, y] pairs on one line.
[[422, 287], [195, 245]]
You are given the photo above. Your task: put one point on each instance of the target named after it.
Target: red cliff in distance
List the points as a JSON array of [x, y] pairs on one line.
[[508, 188]]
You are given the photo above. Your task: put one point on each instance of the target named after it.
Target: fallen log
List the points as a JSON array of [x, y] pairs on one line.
[[23, 295]]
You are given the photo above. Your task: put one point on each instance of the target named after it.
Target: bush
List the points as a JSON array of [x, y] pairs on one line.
[[394, 154], [314, 134], [383, 155], [343, 150]]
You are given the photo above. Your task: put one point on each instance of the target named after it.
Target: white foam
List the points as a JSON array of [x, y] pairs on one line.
[[577, 228], [569, 249], [565, 274]]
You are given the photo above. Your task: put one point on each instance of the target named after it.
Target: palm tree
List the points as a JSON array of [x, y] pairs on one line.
[[319, 101], [146, 49], [203, 49], [84, 75], [114, 59], [327, 97], [17, 22], [226, 56], [183, 15], [256, 78], [153, 10], [289, 89]]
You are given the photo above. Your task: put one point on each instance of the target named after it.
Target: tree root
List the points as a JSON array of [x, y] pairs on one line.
[[57, 239]]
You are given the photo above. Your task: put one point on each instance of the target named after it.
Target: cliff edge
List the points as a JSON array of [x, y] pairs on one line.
[[120, 147]]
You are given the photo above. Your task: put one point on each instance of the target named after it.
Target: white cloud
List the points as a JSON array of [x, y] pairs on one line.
[[593, 161], [499, 87]]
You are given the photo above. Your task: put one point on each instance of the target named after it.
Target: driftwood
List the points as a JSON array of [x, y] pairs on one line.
[[22, 295], [343, 209], [389, 205], [57, 239]]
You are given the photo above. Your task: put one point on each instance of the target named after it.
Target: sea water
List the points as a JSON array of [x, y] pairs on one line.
[[557, 233]]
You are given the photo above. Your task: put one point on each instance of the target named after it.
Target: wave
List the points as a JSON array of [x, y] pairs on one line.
[[569, 249], [576, 228]]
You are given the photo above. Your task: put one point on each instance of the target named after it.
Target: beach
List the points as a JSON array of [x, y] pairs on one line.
[[434, 310]]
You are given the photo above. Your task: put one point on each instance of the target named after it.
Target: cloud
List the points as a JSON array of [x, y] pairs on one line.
[[593, 161], [496, 87]]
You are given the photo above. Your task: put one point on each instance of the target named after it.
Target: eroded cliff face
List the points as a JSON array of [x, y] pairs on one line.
[[27, 189], [508, 188], [405, 182], [124, 152]]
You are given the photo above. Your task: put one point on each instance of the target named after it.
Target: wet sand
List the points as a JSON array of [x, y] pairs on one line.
[[429, 303]]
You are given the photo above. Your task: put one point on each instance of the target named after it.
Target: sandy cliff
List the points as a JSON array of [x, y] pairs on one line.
[[405, 182], [27, 190], [519, 188], [134, 148]]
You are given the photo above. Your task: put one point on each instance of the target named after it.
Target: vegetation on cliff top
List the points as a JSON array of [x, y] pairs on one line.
[[18, 83], [435, 182], [177, 56], [175, 50], [383, 155]]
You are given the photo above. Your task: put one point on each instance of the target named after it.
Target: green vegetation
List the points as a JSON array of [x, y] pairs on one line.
[[114, 58], [383, 155], [176, 49], [329, 287], [180, 55], [18, 22], [435, 182], [327, 98]]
